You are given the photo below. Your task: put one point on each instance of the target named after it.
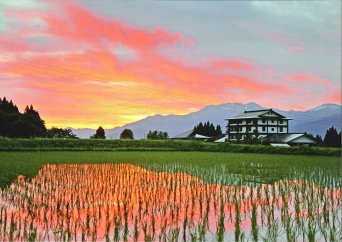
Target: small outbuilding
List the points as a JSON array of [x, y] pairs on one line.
[[289, 139], [184, 135], [190, 135], [221, 140]]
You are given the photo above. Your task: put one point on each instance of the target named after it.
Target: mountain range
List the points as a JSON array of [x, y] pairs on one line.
[[314, 121]]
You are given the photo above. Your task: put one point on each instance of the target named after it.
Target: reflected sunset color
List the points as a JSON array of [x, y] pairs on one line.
[[127, 202]]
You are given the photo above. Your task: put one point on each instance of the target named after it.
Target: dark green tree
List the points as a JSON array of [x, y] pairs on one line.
[[8, 106], [208, 129], [100, 134], [9, 116], [256, 138], [152, 135], [60, 133], [319, 141], [252, 138], [212, 130], [332, 138], [126, 134], [34, 124], [200, 128], [218, 130], [155, 135], [163, 135], [247, 138], [14, 124], [23, 129]]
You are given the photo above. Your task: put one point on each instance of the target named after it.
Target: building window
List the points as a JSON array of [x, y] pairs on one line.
[[255, 121], [281, 121], [272, 129], [240, 128], [249, 129], [263, 129], [263, 120], [281, 129]]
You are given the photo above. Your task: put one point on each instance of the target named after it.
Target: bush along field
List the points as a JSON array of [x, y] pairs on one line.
[[42, 144], [169, 196]]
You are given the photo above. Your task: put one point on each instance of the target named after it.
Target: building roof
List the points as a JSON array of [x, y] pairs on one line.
[[248, 114], [287, 138], [255, 114], [221, 140], [281, 145], [183, 135], [188, 134], [199, 136]]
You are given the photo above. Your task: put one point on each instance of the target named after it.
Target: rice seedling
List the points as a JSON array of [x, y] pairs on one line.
[[125, 202]]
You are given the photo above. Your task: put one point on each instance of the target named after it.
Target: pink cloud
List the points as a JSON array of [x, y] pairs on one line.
[[79, 24], [307, 78], [231, 64], [77, 65]]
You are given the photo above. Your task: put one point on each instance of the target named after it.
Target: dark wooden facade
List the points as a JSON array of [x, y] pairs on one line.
[[263, 122]]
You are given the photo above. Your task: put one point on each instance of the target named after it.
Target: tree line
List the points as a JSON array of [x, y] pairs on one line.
[[20, 125], [331, 139], [208, 129], [128, 134], [157, 135], [100, 134], [14, 124]]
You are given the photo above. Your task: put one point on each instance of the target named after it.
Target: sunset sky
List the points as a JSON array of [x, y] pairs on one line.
[[91, 63]]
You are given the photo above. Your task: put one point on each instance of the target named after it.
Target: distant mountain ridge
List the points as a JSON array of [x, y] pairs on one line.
[[315, 120]]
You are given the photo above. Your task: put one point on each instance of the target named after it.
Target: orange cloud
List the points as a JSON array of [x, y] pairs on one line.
[[84, 70]]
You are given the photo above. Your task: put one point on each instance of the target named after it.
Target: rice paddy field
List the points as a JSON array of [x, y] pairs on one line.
[[169, 196]]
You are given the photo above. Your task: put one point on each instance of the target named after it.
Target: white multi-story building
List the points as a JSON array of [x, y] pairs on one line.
[[262, 122]]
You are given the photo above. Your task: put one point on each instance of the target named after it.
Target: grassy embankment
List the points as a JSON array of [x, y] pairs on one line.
[[154, 145], [235, 168]]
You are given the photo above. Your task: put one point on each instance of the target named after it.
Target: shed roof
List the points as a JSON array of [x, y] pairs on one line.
[[281, 145], [183, 135], [286, 138], [221, 140], [199, 136]]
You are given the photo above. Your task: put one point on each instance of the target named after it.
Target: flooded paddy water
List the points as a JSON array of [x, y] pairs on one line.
[[118, 202]]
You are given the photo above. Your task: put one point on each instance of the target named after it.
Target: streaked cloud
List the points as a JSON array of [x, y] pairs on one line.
[[84, 68]]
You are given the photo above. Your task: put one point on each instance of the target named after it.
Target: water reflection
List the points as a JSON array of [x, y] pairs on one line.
[[127, 202]]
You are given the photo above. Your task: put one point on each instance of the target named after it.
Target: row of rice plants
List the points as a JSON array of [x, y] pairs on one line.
[[121, 202], [33, 144]]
